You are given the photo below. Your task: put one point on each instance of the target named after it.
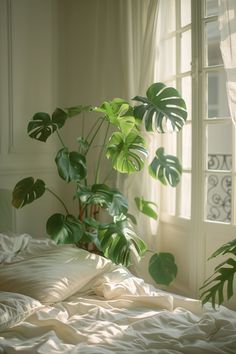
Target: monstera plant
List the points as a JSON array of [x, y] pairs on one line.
[[160, 110]]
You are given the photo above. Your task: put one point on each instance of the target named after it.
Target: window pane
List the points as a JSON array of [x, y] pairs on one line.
[[168, 200], [217, 97], [211, 7], [185, 206], [185, 12], [187, 146], [219, 141], [167, 59], [212, 33], [186, 92], [218, 207], [186, 51]]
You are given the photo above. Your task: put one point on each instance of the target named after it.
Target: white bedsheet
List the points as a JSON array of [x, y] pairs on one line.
[[115, 313], [121, 314]]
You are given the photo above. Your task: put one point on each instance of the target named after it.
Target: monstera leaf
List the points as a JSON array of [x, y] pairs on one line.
[[101, 194], [71, 166], [42, 125], [162, 106], [64, 229], [119, 113], [146, 207], [162, 268], [118, 241], [165, 168], [126, 152], [26, 191], [221, 280]]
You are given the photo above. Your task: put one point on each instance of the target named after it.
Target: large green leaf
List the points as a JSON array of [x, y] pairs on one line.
[[71, 166], [109, 198], [119, 241], [213, 289], [162, 106], [166, 168], [214, 286], [162, 268], [119, 113], [146, 207], [42, 125], [64, 229], [26, 191], [126, 152]]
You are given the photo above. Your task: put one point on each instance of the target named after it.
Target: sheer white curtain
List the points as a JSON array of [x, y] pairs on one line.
[[227, 22]]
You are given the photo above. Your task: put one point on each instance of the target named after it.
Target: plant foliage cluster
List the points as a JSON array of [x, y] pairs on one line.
[[161, 110]]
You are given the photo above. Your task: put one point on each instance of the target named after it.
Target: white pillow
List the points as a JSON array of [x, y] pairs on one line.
[[54, 274], [14, 308], [18, 247]]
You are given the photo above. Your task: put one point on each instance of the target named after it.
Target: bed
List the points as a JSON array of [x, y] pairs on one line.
[[61, 299]]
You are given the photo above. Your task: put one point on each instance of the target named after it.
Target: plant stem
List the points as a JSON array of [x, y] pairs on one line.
[[92, 128], [59, 137], [100, 155], [58, 198], [97, 130]]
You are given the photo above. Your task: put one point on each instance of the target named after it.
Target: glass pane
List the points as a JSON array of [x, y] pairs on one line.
[[212, 7], [212, 33], [185, 205], [219, 141], [187, 146], [169, 142], [168, 199], [186, 52], [185, 12], [217, 96], [186, 92], [167, 59], [218, 207]]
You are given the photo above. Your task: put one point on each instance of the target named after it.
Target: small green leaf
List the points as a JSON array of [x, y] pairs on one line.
[[162, 268], [64, 229], [71, 166], [76, 110], [145, 207], [83, 145], [26, 191], [126, 152], [166, 168], [119, 113]]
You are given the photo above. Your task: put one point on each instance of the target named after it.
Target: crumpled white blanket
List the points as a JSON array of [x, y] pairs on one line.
[[120, 313]]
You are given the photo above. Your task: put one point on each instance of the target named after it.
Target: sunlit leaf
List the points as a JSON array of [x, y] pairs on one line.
[[127, 153], [119, 241], [146, 207], [162, 108]]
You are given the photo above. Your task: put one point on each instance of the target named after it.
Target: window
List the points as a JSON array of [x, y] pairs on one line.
[[198, 215]]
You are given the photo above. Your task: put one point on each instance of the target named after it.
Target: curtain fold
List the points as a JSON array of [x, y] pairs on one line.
[[227, 25], [137, 32]]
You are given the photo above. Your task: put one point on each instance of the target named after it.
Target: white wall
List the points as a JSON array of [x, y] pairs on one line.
[[28, 66]]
